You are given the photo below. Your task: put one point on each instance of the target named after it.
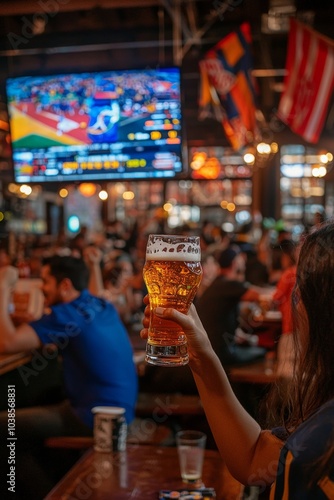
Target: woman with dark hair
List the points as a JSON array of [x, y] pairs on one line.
[[297, 459]]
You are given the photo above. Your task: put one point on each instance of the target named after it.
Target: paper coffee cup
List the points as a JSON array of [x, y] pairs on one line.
[[110, 429]]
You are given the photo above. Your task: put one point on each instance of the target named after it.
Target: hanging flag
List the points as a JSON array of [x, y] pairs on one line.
[[308, 84], [227, 87]]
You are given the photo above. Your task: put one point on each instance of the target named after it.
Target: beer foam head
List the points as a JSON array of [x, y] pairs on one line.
[[172, 247]]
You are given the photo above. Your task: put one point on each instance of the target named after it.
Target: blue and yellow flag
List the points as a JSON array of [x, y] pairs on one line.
[[228, 87]]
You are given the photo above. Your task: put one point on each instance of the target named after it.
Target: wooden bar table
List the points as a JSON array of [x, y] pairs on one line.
[[139, 473], [9, 362], [262, 372]]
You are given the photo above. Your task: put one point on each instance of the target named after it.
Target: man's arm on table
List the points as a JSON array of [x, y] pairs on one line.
[[13, 339]]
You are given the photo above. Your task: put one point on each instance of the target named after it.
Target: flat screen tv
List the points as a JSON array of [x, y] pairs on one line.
[[92, 126]]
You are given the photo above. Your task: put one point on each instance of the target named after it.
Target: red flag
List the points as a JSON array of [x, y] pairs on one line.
[[308, 83], [227, 86]]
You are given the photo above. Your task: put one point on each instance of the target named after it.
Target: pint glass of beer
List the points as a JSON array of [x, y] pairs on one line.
[[172, 274]]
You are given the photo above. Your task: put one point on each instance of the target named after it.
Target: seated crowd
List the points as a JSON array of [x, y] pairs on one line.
[[94, 295]]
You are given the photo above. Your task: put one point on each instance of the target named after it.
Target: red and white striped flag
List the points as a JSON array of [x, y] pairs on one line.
[[309, 81]]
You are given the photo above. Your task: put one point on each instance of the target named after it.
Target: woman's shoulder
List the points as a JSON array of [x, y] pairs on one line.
[[304, 450], [324, 412], [315, 431]]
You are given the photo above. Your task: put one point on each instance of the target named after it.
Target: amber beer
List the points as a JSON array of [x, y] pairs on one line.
[[172, 274]]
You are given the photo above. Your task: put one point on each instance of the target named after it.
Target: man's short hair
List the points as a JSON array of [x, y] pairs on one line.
[[227, 256], [73, 268]]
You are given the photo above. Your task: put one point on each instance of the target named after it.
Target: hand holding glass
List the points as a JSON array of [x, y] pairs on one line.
[[172, 274]]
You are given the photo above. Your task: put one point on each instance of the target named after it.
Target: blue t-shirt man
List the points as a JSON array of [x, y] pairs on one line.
[[98, 367], [97, 355]]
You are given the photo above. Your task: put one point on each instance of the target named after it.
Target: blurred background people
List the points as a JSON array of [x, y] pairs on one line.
[[282, 301], [4, 258], [117, 282], [211, 269], [219, 308]]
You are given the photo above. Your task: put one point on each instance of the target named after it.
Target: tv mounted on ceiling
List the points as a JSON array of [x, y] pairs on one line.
[[96, 126]]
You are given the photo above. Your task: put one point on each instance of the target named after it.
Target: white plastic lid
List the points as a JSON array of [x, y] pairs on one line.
[[109, 410]]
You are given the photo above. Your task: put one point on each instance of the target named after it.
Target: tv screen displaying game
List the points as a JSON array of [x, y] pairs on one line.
[[96, 126]]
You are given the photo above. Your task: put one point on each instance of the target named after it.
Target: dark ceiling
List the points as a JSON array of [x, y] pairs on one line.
[[52, 35]]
